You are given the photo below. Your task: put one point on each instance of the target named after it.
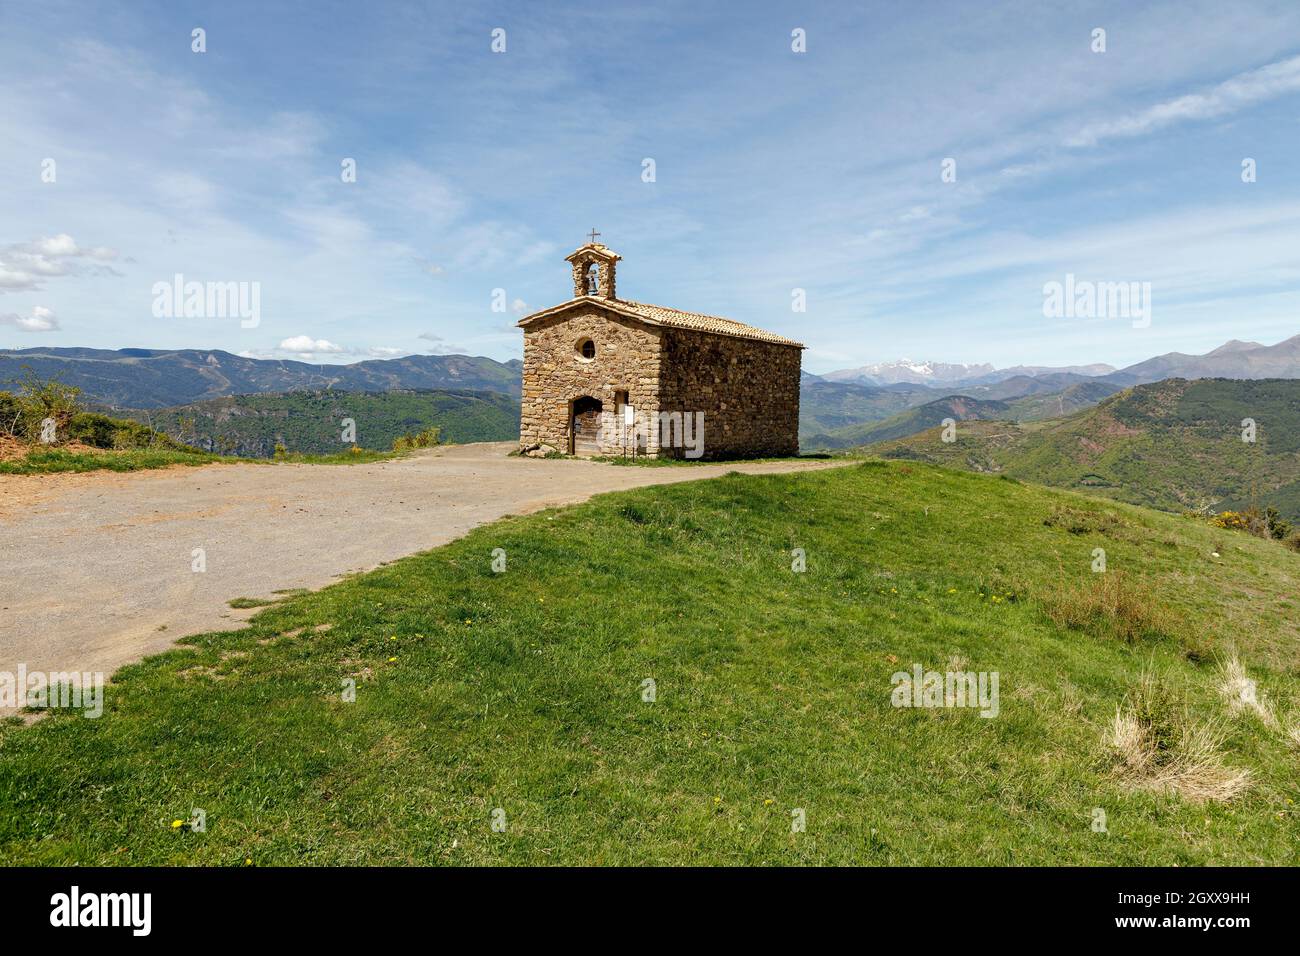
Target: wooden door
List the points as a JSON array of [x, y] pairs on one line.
[[586, 426]]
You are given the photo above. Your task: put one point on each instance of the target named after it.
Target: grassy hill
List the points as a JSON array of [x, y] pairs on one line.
[[825, 406], [311, 422], [526, 692], [1067, 401], [1172, 445], [830, 420], [929, 415]]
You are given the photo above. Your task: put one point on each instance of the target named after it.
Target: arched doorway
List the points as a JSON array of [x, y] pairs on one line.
[[584, 436]]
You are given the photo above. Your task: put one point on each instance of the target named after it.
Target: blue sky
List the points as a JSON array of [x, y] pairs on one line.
[[774, 170]]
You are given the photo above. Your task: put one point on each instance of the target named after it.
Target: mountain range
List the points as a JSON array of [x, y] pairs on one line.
[[164, 378], [840, 409], [1233, 359], [947, 373], [1175, 445], [851, 407], [312, 421]]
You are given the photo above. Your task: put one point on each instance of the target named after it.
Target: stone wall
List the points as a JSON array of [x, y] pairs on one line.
[[628, 358], [747, 390]]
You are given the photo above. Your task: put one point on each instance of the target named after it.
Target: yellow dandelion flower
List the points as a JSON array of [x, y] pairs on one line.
[[177, 824]]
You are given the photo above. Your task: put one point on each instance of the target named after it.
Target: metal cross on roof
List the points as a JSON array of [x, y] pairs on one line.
[[594, 234]]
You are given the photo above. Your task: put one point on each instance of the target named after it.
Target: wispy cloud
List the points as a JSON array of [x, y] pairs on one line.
[[1237, 93]]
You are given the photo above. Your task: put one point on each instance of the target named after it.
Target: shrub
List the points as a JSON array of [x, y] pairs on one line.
[[93, 429], [37, 402], [10, 414], [1263, 524], [103, 431], [427, 438]]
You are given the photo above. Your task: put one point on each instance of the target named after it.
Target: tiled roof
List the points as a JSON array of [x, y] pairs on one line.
[[677, 319], [674, 318]]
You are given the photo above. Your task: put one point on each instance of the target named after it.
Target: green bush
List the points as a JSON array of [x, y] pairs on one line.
[[22, 416], [102, 431], [25, 414], [1263, 524], [10, 414]]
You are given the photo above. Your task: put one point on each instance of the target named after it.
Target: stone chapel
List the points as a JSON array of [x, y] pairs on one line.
[[609, 376]]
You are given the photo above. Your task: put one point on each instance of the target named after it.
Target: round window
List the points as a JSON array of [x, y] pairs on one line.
[[587, 349]]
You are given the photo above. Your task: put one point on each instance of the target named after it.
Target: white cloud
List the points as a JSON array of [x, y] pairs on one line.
[[1269, 81], [306, 344], [60, 245], [41, 320], [24, 265]]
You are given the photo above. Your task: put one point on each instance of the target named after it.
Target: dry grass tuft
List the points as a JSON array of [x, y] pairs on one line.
[[1242, 695], [1110, 604], [1086, 521], [1158, 747], [1293, 730]]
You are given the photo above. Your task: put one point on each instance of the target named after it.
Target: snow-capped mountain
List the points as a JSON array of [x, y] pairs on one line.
[[948, 373], [907, 370]]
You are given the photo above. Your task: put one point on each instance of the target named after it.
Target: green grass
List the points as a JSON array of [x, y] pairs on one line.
[[522, 691], [243, 603], [55, 460], [642, 461]]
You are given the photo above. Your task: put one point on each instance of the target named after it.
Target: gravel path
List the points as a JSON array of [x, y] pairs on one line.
[[95, 569]]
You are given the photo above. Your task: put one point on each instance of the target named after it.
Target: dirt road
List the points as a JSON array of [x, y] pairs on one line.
[[96, 569]]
